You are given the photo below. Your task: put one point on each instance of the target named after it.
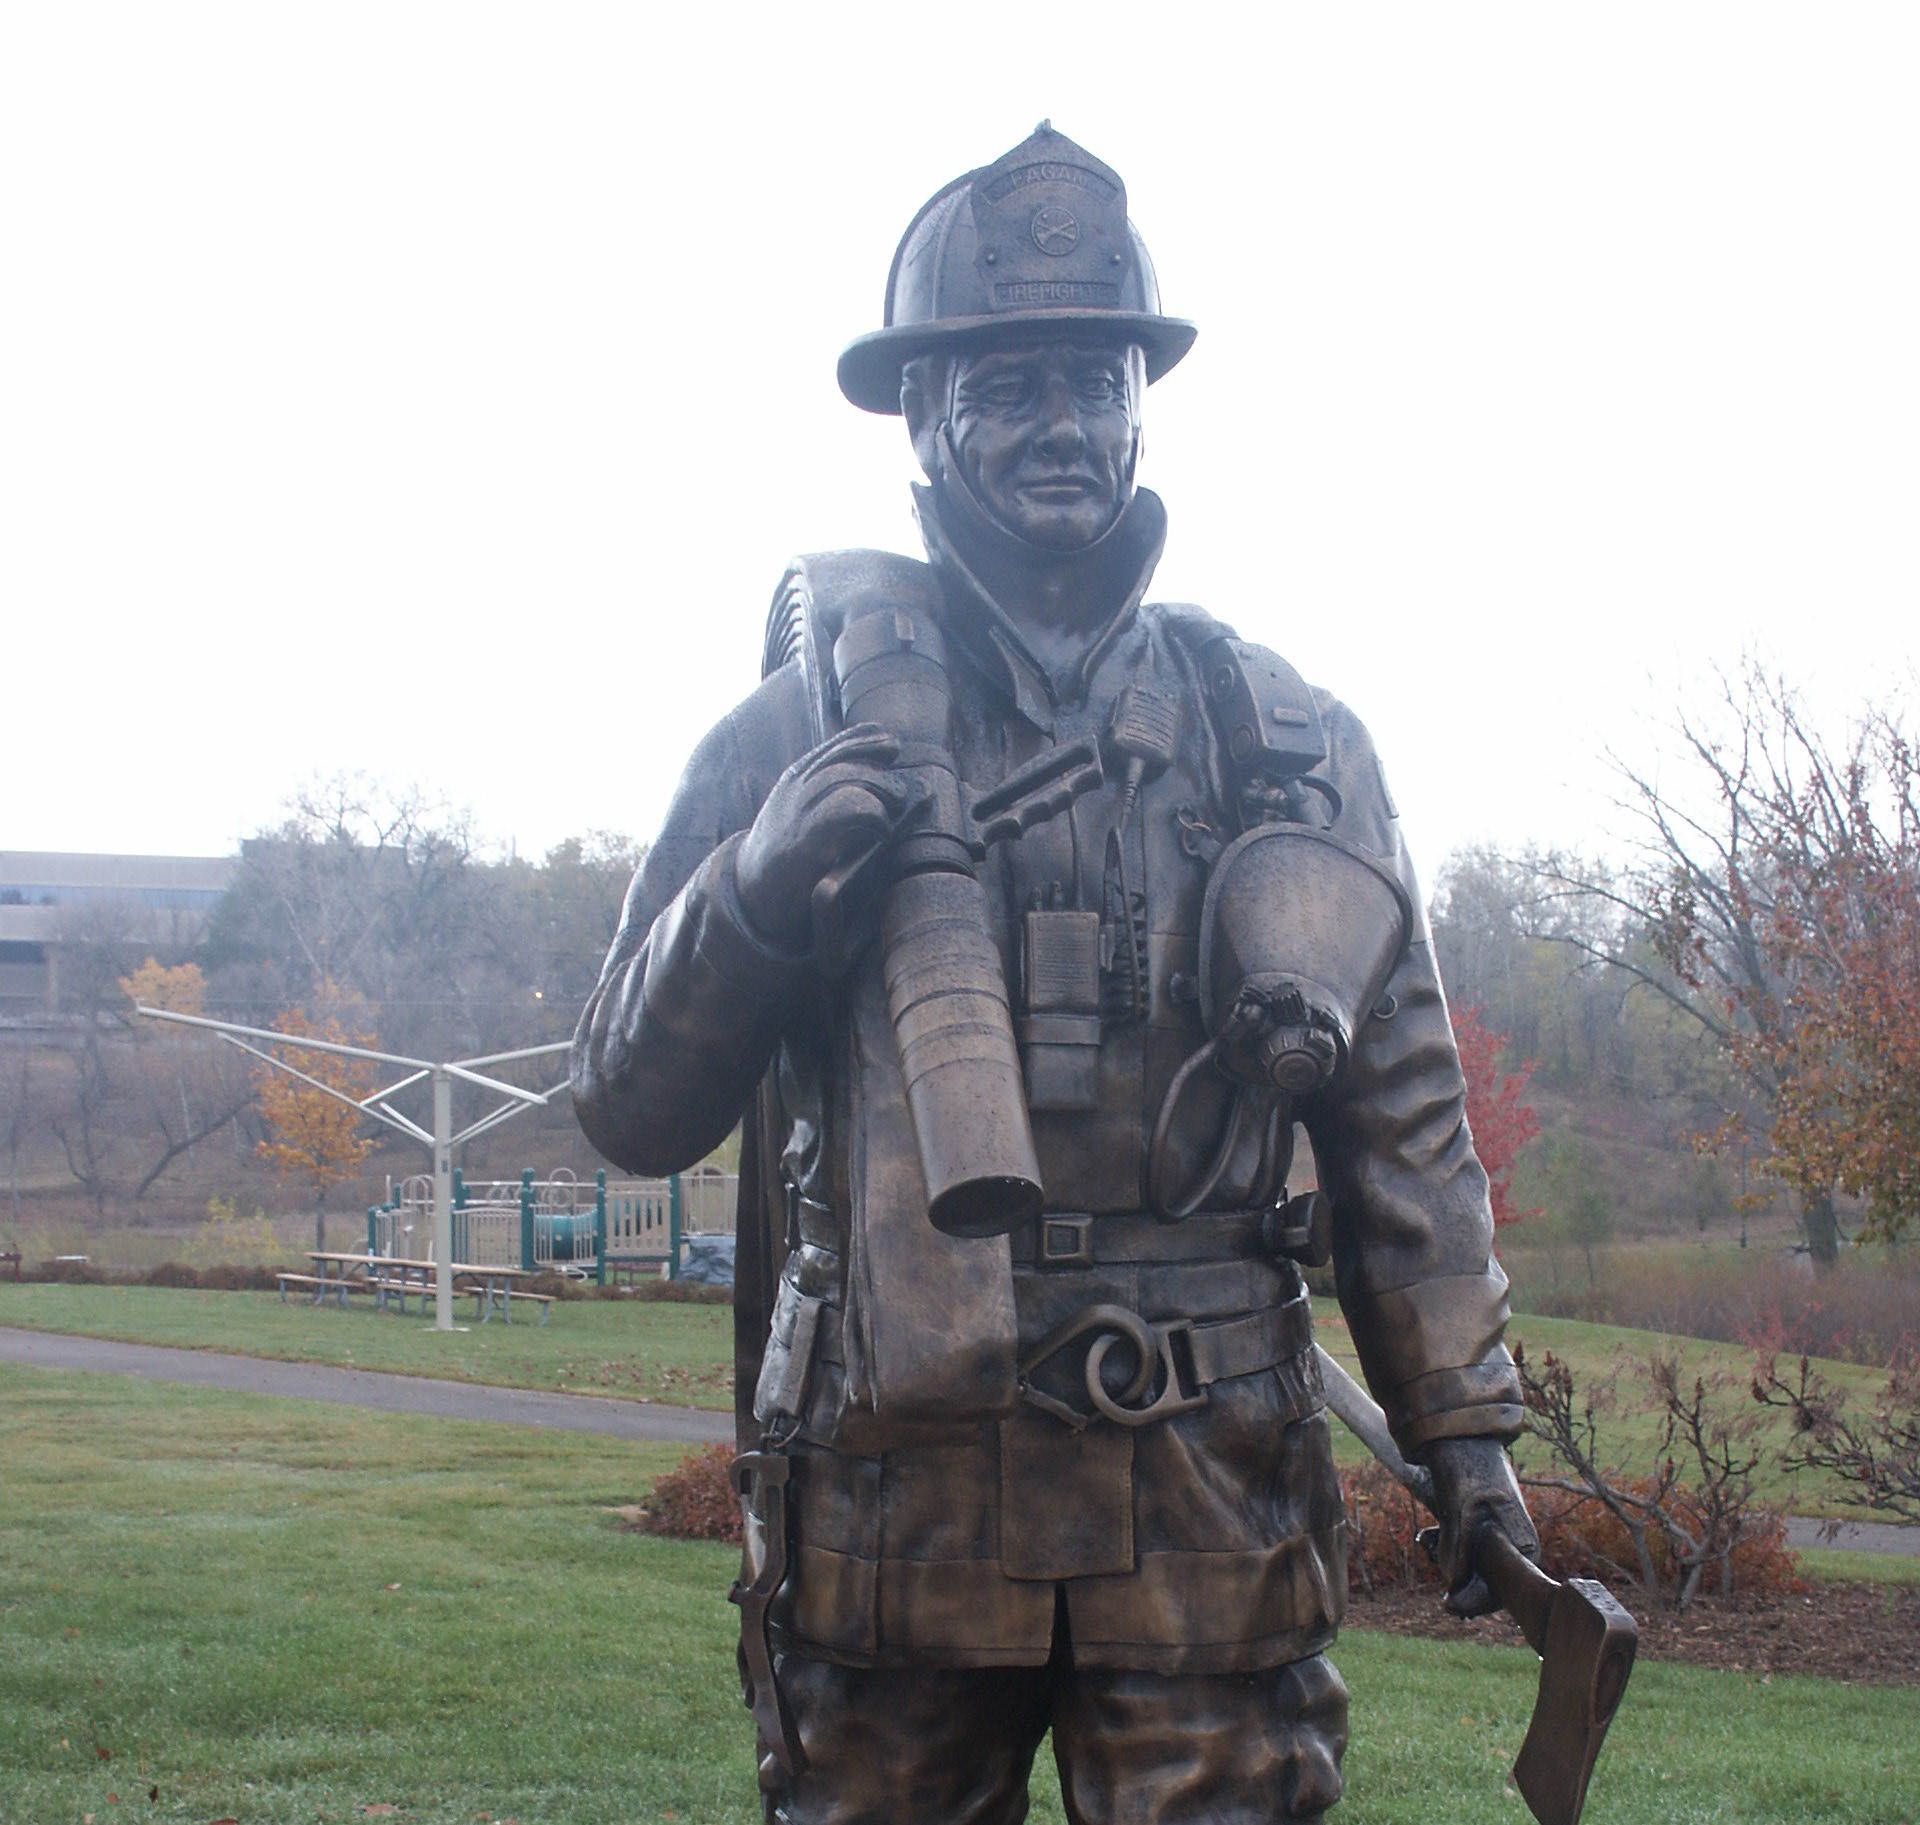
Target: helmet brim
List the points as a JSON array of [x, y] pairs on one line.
[[871, 367]]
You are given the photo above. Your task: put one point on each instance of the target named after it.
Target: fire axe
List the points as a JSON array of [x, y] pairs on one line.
[[1584, 1638]]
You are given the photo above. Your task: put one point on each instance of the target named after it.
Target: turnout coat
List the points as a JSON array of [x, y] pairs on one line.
[[1211, 1539]]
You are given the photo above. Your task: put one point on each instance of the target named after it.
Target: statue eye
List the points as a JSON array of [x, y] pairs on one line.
[[1100, 384], [1010, 390]]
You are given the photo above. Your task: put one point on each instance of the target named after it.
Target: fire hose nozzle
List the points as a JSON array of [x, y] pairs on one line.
[[946, 985]]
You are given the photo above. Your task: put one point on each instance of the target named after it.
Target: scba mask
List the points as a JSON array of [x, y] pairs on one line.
[[1300, 929]]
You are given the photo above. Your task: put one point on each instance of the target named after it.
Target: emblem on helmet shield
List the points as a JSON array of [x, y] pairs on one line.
[[1054, 230]]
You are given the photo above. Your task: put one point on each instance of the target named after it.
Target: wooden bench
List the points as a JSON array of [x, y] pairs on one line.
[[543, 1300], [322, 1285], [402, 1290], [464, 1287], [423, 1290]]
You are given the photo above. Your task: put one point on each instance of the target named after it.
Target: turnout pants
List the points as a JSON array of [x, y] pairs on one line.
[[934, 1746]]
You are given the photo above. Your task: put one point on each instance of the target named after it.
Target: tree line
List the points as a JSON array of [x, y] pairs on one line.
[[365, 908], [1743, 961], [1747, 959]]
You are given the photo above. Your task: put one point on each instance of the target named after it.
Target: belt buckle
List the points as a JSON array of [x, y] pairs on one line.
[[1064, 1241]]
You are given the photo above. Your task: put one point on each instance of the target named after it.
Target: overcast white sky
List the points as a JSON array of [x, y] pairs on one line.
[[438, 390]]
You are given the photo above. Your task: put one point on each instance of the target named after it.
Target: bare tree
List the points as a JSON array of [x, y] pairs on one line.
[[365, 885], [1684, 1517], [19, 1100], [128, 1103], [1877, 1457], [1759, 802]]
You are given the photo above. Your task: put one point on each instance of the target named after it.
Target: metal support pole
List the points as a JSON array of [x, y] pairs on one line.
[[600, 1226], [674, 1222], [526, 1218], [373, 1246], [442, 1199]]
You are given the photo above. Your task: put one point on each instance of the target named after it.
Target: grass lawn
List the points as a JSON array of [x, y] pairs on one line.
[[268, 1611], [638, 1349], [1857, 1567], [684, 1353]]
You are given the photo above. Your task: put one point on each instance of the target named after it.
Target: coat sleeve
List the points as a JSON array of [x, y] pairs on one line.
[[1413, 1229], [690, 1003]]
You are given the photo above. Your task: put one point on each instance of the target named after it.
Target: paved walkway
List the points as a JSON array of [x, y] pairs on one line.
[[1856, 1536], [529, 1407], [365, 1388]]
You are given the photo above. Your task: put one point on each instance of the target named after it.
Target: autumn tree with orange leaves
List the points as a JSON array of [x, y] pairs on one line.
[[312, 1135], [1772, 899], [1840, 1033]]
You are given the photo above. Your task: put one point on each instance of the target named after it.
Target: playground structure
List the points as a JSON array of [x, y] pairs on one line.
[[440, 1140], [600, 1230]]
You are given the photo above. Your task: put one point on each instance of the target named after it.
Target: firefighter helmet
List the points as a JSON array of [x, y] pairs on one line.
[[1038, 240]]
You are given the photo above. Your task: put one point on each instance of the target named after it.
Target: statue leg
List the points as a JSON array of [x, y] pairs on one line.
[[936, 1746], [1201, 1749]]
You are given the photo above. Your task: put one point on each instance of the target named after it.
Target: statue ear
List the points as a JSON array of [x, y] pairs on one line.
[[923, 404], [1136, 395]]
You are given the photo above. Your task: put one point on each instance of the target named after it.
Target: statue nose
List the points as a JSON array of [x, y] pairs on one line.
[[1061, 433]]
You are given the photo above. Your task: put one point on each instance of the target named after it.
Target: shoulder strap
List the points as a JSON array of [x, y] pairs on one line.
[[1263, 712]]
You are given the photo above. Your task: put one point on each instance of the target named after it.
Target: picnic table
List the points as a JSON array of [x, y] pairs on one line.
[[401, 1277]]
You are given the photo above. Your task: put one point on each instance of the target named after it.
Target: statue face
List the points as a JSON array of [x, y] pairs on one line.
[[1047, 436]]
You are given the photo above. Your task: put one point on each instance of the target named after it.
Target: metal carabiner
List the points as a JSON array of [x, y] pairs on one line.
[[1154, 1356], [1118, 1323], [1172, 1398]]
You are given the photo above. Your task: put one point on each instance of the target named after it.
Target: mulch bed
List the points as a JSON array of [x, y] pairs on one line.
[[1867, 1634]]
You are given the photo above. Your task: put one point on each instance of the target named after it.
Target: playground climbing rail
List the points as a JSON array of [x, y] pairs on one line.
[[610, 1226]]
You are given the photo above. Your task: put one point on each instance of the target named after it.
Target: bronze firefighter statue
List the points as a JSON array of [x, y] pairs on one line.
[[1023, 918]]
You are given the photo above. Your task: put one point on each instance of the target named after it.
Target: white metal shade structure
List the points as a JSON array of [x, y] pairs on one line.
[[440, 1141]]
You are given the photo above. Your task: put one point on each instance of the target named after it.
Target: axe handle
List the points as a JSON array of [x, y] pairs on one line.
[[1363, 1418], [1522, 1589], [1519, 1586], [1579, 1694]]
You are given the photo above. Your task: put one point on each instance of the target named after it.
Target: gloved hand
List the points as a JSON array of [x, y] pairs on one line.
[[1473, 1483], [828, 807]]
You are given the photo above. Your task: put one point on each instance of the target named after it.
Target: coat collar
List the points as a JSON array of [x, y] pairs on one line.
[[966, 549]]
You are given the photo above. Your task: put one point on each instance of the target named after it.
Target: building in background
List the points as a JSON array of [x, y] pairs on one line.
[[49, 902]]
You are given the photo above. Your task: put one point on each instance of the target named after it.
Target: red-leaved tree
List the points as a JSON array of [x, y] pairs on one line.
[[1502, 1119]]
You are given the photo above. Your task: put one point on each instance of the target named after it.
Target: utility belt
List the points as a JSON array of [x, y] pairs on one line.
[[1073, 1239], [1070, 1239], [1104, 1361], [1136, 1371]]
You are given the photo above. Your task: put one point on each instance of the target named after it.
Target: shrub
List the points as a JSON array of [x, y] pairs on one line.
[[1662, 1531], [1383, 1521], [237, 1277], [681, 1292], [557, 1286], [695, 1500], [171, 1273], [228, 1239], [1581, 1538], [1876, 1457], [68, 1273]]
